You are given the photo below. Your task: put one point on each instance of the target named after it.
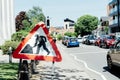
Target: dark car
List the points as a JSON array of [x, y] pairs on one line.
[[107, 41], [72, 41], [113, 56]]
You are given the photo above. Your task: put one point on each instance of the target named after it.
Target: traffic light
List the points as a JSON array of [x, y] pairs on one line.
[[48, 22]]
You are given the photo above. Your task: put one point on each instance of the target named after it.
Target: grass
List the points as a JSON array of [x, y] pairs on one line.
[[8, 71]]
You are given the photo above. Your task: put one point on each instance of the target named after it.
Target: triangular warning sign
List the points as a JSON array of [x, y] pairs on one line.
[[38, 45]]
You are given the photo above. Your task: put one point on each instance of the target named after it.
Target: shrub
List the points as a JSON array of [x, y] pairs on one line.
[[59, 36], [18, 35], [7, 44], [70, 34]]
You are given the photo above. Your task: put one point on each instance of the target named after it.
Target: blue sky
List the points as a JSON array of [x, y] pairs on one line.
[[58, 10]]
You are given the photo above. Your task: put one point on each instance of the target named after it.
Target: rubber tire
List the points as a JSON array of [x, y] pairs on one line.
[[109, 63]]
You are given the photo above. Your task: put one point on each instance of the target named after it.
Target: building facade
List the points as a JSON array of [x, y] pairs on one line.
[[114, 16], [101, 28], [68, 25], [7, 21]]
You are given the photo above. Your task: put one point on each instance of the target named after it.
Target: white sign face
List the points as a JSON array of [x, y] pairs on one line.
[[38, 44]]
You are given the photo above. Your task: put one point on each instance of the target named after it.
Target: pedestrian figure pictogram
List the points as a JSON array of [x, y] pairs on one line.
[[41, 42]]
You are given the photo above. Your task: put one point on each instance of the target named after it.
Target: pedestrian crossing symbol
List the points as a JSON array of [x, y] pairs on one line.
[[38, 45]]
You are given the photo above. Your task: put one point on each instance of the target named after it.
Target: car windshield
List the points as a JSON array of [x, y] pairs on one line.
[[91, 37], [79, 38], [72, 39], [118, 38], [110, 37]]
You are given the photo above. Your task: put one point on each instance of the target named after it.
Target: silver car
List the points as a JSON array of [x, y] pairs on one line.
[[113, 56]]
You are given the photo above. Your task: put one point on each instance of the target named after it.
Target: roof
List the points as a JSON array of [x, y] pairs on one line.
[[68, 20], [104, 19]]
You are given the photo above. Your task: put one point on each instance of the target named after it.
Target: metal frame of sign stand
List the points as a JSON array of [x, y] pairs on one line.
[[23, 70], [53, 70], [53, 63], [19, 68]]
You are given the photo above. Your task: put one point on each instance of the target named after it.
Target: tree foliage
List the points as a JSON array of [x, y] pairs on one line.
[[86, 24], [70, 34], [19, 19], [36, 15], [7, 44], [25, 21]]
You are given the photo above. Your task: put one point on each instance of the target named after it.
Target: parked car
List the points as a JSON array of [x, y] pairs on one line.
[[64, 40], [107, 41], [90, 40], [113, 56], [98, 39], [84, 38], [117, 39], [72, 41], [79, 39]]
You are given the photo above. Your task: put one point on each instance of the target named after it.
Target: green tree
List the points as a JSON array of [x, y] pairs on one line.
[[59, 36], [106, 29], [19, 19], [36, 15], [26, 25], [86, 24]]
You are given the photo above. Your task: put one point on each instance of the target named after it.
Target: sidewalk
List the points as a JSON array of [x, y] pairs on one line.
[[68, 69]]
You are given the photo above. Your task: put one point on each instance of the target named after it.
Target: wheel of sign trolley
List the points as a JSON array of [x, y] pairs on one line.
[[24, 72]]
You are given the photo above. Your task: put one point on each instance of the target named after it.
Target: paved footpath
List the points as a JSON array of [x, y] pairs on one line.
[[68, 69]]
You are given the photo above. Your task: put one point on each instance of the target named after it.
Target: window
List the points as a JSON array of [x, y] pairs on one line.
[[118, 47]]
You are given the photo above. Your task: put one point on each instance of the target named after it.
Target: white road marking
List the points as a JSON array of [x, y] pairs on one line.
[[86, 66], [91, 52]]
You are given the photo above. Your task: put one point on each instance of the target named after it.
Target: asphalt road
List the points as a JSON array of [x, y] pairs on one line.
[[94, 59]]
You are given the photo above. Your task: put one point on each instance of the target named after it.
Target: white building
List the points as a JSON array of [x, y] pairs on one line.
[[68, 25], [7, 20]]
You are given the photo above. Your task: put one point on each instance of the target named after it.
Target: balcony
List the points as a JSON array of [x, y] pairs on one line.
[[111, 2], [113, 22], [114, 12]]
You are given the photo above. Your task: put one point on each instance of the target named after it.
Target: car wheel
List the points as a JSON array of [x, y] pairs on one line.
[[95, 44], [100, 45], [109, 63], [68, 45], [106, 46]]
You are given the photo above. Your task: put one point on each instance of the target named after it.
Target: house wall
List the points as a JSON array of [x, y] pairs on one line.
[[7, 21]]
